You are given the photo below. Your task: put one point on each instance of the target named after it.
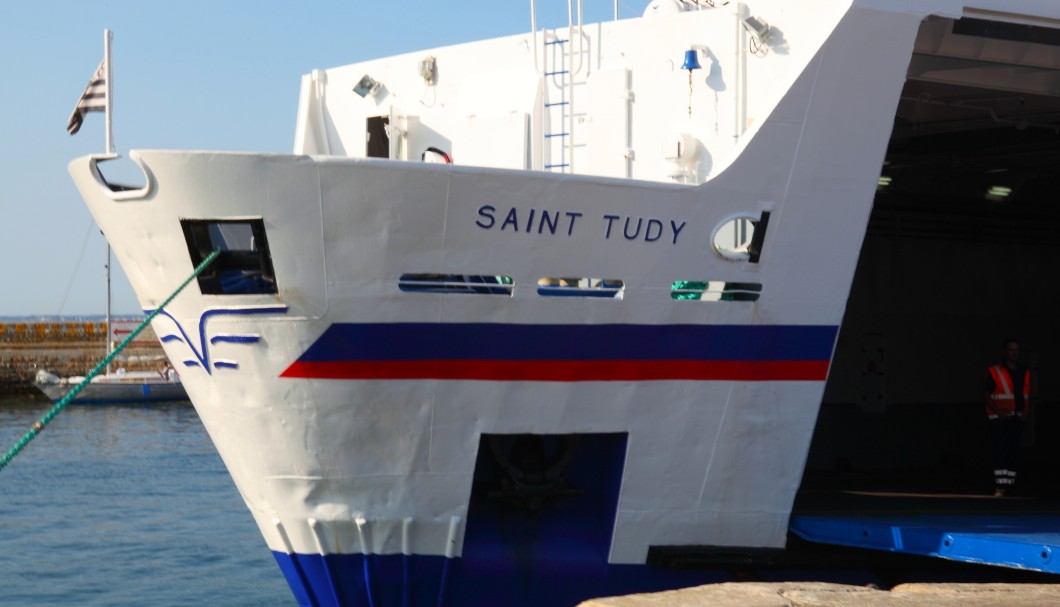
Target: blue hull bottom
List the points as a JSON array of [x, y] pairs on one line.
[[421, 581], [540, 518]]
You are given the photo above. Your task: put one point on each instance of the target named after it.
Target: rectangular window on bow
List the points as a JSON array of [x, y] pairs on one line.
[[244, 265]]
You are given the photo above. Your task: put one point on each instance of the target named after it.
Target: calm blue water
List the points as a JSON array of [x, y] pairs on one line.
[[125, 506]]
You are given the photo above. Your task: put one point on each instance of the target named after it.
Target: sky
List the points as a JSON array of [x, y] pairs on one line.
[[193, 74]]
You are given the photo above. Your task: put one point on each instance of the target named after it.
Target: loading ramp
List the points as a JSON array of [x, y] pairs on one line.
[[1021, 541]]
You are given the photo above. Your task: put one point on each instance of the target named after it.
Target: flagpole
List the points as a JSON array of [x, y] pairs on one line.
[[109, 93]]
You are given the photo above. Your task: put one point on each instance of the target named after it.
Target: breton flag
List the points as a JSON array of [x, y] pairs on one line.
[[94, 99]]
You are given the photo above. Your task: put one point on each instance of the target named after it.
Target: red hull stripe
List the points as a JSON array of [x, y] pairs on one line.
[[564, 371]]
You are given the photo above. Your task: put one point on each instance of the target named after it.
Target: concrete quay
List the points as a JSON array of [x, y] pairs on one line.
[[68, 348], [824, 594]]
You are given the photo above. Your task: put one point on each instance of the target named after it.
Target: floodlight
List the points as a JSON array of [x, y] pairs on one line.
[[367, 86], [757, 26]]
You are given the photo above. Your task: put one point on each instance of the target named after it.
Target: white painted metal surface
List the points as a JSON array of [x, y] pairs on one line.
[[794, 124]]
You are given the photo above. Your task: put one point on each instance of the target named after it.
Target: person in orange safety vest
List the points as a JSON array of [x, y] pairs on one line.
[[1007, 396]]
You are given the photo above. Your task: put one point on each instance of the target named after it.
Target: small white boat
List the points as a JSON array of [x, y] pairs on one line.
[[115, 388]]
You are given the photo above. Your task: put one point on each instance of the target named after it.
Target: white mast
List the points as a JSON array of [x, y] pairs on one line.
[[108, 85], [110, 342]]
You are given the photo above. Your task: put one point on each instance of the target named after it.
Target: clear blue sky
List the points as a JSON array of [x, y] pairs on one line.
[[193, 74]]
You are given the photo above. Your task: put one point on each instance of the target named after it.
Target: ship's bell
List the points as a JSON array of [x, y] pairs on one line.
[[691, 60]]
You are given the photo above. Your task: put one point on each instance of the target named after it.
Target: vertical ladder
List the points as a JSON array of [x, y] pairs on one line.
[[558, 70], [560, 132]]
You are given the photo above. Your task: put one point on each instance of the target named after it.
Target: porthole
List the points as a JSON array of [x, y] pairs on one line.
[[740, 237]]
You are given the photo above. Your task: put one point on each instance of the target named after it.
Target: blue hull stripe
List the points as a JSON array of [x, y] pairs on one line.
[[584, 342]]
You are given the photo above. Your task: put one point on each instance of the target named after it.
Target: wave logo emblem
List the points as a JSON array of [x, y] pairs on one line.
[[199, 347]]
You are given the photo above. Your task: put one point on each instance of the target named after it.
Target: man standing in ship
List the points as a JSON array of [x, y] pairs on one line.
[[1007, 397]]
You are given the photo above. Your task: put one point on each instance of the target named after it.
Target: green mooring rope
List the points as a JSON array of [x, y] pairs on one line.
[[59, 406]]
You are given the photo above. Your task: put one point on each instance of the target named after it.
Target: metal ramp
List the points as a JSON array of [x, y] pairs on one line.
[[1020, 541]]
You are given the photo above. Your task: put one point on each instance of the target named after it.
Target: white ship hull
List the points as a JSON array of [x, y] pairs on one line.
[[472, 437]]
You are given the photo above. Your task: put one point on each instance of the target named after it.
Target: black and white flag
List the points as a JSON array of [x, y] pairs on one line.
[[94, 99]]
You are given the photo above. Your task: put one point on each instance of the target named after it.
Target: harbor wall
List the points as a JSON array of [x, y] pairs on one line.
[[67, 348]]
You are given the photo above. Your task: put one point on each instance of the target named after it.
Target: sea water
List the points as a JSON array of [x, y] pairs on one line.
[[125, 505]]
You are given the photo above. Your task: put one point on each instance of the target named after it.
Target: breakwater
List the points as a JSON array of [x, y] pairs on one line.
[[68, 348]]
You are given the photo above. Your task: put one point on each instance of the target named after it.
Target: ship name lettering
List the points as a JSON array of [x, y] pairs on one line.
[[546, 221], [533, 220], [634, 228]]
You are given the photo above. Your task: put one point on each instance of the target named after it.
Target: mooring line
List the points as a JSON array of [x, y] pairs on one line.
[[59, 406]]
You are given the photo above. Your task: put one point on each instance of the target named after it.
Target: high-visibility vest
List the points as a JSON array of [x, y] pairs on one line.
[[1003, 397]]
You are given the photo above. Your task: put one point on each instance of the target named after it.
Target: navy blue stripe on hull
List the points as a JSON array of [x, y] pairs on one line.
[[540, 342], [568, 353]]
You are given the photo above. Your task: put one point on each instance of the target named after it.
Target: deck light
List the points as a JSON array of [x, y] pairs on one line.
[[758, 27], [998, 193], [760, 33], [428, 70], [367, 86]]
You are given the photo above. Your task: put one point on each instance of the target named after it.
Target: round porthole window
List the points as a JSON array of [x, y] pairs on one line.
[[732, 237]]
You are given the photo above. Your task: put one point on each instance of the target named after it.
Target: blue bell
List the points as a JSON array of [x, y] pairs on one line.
[[691, 60]]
